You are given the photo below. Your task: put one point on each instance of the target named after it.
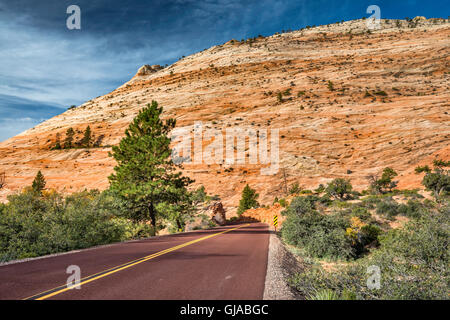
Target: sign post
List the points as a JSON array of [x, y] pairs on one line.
[[275, 222]]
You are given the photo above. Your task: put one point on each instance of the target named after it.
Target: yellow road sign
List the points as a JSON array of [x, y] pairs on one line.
[[275, 220]]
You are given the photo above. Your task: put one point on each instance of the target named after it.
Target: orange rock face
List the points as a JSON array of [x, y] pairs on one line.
[[352, 103], [265, 215]]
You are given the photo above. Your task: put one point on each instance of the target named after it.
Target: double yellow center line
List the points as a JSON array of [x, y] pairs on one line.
[[55, 291]]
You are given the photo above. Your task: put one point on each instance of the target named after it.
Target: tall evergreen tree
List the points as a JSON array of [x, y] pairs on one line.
[[38, 183], [145, 176], [57, 142], [248, 200], [87, 138], [68, 142]]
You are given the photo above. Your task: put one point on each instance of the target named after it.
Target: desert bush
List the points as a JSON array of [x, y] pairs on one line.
[[322, 236], [32, 225], [300, 205], [413, 262], [413, 209], [283, 202], [412, 193], [329, 241], [361, 213], [438, 180], [295, 188], [339, 188], [388, 208]]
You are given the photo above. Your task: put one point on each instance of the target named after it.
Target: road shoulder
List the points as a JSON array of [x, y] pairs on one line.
[[281, 265]]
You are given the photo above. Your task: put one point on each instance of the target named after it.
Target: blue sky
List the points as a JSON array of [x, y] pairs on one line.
[[45, 68]]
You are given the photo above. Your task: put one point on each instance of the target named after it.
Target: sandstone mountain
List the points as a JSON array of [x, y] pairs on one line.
[[347, 101]]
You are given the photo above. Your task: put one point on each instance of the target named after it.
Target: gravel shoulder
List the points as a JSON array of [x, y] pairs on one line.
[[281, 265]]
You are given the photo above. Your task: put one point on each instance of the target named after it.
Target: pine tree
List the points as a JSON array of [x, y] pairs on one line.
[[38, 183], [248, 200], [87, 138], [145, 176], [69, 138], [58, 142]]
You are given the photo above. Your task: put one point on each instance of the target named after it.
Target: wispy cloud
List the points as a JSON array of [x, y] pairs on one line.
[[44, 63]]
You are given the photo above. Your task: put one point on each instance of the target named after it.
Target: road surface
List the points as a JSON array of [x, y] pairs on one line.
[[221, 263]]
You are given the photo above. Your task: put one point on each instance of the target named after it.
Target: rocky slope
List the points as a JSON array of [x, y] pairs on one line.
[[358, 101]]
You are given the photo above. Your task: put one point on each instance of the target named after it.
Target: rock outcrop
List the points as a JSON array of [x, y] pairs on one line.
[[352, 102], [217, 213], [146, 70]]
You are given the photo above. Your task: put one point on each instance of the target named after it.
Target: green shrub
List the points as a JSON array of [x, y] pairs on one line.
[[413, 262], [413, 209], [300, 205], [322, 236], [283, 202], [388, 208], [369, 234], [324, 294], [248, 200], [339, 189], [362, 213], [295, 188], [329, 242], [412, 193], [371, 202], [33, 225]]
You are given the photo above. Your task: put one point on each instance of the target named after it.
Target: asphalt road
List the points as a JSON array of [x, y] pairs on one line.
[[221, 263]]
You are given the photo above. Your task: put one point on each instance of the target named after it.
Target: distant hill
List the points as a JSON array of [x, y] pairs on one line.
[[347, 103]]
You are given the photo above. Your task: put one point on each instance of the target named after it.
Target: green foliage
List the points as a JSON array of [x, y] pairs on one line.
[[145, 177], [68, 141], [361, 213], [33, 225], [320, 189], [87, 138], [413, 209], [381, 93], [330, 85], [283, 202], [57, 145], [321, 236], [369, 234], [248, 200], [199, 195], [287, 92], [339, 188], [295, 188], [38, 183], [385, 183], [300, 206], [388, 208], [280, 97], [413, 261], [324, 294], [438, 180]]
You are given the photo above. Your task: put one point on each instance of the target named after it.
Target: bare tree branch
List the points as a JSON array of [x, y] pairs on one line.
[[2, 180]]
